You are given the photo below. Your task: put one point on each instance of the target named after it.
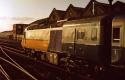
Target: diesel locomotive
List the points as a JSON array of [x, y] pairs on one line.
[[77, 40]]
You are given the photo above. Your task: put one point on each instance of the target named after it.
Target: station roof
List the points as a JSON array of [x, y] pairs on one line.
[[38, 24]]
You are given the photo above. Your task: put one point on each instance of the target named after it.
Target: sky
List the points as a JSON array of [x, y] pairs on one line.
[[27, 11]]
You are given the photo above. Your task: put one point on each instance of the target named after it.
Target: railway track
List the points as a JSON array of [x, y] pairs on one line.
[[4, 73], [13, 63], [41, 70], [11, 43], [46, 74]]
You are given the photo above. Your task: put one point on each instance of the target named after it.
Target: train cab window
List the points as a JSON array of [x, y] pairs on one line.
[[116, 34]]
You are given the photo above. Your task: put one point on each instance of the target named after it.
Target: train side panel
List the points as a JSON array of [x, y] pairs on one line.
[[37, 45], [44, 43], [37, 39], [87, 42], [81, 39]]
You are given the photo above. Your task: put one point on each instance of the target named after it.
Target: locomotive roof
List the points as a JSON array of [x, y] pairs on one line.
[[86, 20], [92, 20]]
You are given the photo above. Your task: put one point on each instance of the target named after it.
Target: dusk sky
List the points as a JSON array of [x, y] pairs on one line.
[[26, 11]]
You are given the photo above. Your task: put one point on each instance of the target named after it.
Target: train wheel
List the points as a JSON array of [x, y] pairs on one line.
[[38, 55], [27, 52], [33, 54], [42, 57]]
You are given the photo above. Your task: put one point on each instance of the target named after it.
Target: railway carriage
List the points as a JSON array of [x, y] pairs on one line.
[[81, 38], [77, 39]]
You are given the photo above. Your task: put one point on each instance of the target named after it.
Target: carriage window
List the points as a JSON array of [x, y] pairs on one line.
[[80, 35], [94, 34], [116, 34]]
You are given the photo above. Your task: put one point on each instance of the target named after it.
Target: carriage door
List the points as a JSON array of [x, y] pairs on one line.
[[55, 44], [68, 40], [116, 41]]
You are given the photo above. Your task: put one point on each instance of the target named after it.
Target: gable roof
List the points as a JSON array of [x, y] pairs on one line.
[[95, 8], [73, 12], [60, 13], [119, 3], [56, 15], [75, 8], [119, 8]]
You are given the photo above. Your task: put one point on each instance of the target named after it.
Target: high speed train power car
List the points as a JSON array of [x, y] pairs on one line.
[[77, 39]]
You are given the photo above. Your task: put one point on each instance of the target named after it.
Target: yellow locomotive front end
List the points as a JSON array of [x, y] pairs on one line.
[[37, 40], [43, 44]]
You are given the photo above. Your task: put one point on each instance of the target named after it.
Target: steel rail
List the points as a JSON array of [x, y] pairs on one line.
[[4, 73], [19, 68], [12, 49], [16, 64], [10, 58], [54, 67], [7, 44], [8, 41], [37, 61]]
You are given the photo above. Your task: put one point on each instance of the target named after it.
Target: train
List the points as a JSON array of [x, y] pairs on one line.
[[75, 42]]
